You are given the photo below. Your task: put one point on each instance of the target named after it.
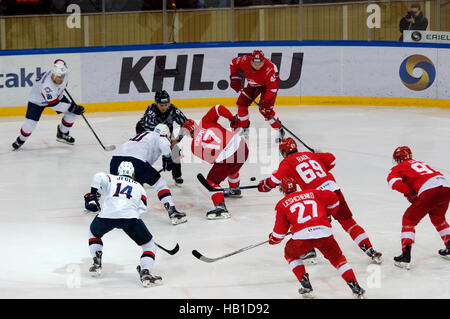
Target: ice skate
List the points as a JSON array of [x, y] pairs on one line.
[[175, 216], [372, 253], [358, 292], [305, 287], [310, 257], [280, 135], [147, 279], [404, 260], [96, 268], [445, 253], [178, 180], [234, 192], [17, 144], [64, 137], [220, 212]]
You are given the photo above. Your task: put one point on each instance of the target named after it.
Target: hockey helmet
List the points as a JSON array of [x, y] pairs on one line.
[[288, 185], [162, 96], [162, 129], [287, 145], [257, 56], [126, 169], [59, 68], [402, 153]]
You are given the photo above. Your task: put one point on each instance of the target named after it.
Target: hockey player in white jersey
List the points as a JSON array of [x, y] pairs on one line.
[[143, 151], [125, 202], [48, 91]]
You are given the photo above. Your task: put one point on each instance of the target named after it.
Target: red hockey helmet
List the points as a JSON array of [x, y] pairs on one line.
[[190, 126], [257, 56], [402, 153], [288, 145], [288, 185]]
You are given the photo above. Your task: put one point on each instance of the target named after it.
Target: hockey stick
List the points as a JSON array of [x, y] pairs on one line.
[[211, 260], [106, 148], [205, 183], [309, 148], [170, 252]]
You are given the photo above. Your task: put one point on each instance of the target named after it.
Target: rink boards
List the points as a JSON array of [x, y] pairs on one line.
[[124, 78]]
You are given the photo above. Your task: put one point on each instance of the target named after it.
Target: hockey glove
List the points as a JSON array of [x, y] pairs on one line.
[[273, 240], [411, 196], [266, 110], [167, 163], [264, 186], [76, 109], [91, 202], [234, 122], [236, 82]]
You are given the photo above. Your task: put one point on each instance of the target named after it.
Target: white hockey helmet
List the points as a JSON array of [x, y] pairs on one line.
[[163, 130], [59, 68], [126, 169]]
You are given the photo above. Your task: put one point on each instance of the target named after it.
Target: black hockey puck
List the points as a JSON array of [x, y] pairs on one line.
[[253, 178]]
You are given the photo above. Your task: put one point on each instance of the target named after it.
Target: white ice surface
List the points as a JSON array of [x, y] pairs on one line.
[[43, 226]]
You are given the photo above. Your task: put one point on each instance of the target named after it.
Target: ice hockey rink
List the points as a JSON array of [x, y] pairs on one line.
[[43, 227]]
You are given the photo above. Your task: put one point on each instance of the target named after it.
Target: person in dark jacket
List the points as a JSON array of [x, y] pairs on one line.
[[162, 111], [414, 20]]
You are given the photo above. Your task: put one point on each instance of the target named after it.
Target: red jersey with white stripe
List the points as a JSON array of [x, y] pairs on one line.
[[211, 141], [310, 170], [415, 175], [46, 92], [266, 76], [307, 212]]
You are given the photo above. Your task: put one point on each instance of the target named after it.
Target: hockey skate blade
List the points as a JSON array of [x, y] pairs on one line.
[[64, 141], [178, 221], [377, 260], [218, 216], [403, 265], [308, 295], [150, 283], [96, 273], [233, 196], [446, 257]]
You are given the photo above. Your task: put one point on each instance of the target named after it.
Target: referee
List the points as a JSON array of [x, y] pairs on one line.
[[162, 111]]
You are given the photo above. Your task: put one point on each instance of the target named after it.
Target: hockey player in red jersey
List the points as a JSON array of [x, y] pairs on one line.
[[311, 171], [429, 193], [307, 213], [222, 148], [262, 78]]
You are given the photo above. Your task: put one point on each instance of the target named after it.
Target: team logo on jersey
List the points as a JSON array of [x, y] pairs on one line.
[[416, 36], [415, 82]]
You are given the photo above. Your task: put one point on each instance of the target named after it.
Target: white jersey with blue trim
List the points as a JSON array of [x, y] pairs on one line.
[[124, 197], [146, 146], [46, 92]]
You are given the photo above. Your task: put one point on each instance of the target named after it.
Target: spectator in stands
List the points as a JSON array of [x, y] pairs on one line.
[[413, 20], [21, 7], [2, 7]]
